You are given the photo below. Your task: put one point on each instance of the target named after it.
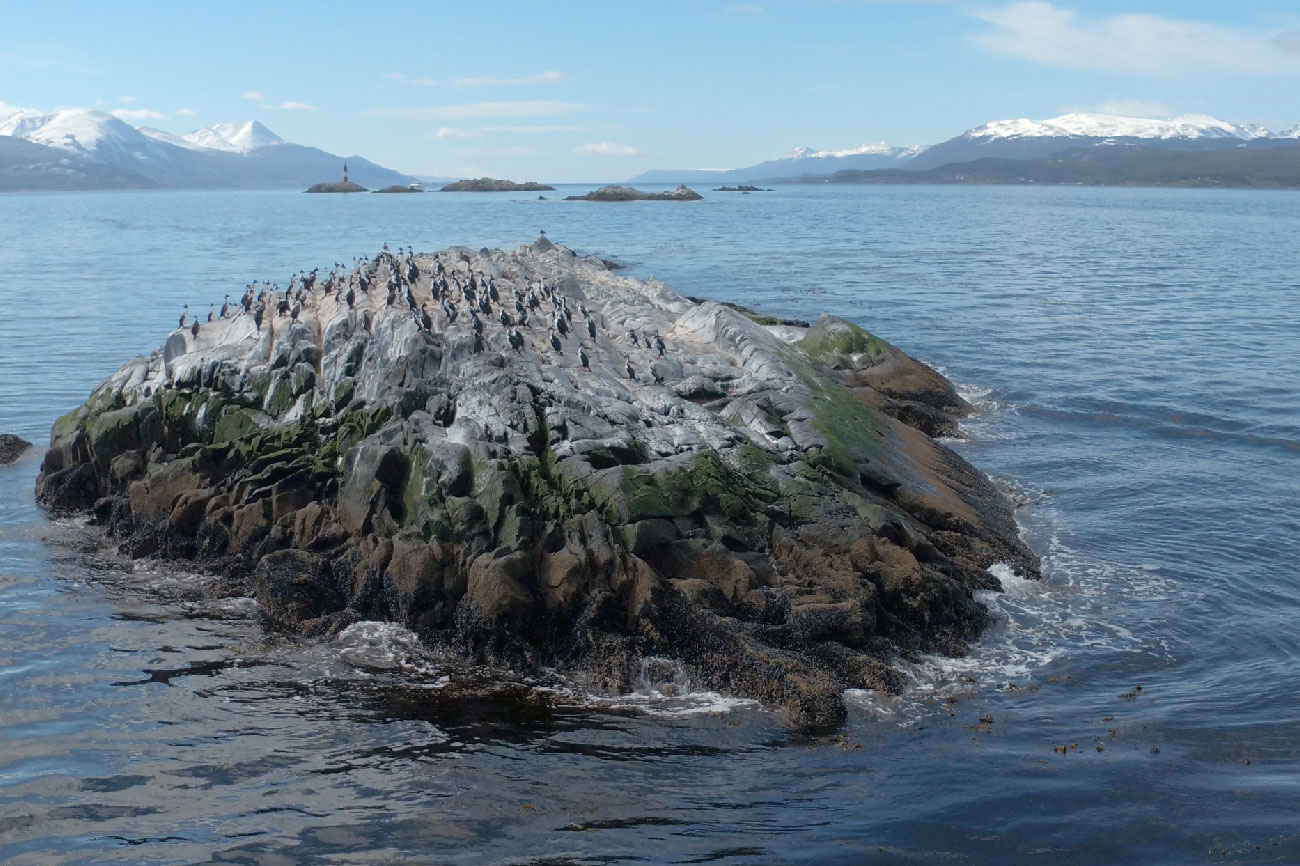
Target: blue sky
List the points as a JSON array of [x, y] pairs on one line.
[[603, 90]]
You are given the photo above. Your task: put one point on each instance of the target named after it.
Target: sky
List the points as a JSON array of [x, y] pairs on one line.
[[601, 91]]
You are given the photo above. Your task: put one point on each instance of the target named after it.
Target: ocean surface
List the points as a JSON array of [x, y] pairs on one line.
[[1135, 358]]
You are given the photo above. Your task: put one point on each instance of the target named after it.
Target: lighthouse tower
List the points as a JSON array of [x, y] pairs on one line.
[[345, 172]]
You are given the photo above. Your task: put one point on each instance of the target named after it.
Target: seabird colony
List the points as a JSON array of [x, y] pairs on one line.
[[520, 309]]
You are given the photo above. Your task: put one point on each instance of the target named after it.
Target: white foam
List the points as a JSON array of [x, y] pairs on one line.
[[372, 646], [662, 688]]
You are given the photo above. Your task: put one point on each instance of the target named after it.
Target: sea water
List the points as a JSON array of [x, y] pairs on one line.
[[1134, 357]]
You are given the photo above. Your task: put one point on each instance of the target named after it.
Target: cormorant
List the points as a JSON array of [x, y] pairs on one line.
[[351, 298], [257, 319], [591, 328], [225, 307], [194, 329], [627, 367], [426, 321], [631, 335], [556, 344], [659, 345], [185, 312], [584, 359]]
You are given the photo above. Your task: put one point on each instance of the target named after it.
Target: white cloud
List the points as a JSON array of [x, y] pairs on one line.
[[137, 114], [532, 129], [1125, 108], [534, 108], [538, 78], [6, 109], [252, 94], [745, 9], [185, 112], [290, 106], [448, 132], [1129, 44], [126, 100], [606, 148]]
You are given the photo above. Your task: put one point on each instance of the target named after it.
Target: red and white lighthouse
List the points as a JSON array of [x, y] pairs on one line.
[[345, 172]]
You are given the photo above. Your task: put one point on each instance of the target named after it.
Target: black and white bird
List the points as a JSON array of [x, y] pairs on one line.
[[584, 359], [631, 335], [225, 307], [627, 368], [591, 328], [516, 340], [659, 345], [556, 344], [194, 329], [184, 314]]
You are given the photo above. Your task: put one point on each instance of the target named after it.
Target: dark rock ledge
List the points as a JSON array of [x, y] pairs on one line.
[[769, 513]]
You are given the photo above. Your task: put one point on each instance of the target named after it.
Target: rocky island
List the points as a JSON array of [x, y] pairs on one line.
[[627, 193], [744, 187], [337, 186], [534, 462], [399, 188], [491, 184]]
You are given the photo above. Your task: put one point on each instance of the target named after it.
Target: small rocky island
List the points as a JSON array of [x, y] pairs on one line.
[[744, 187], [398, 188], [344, 185], [337, 186], [627, 193], [491, 184], [536, 463]]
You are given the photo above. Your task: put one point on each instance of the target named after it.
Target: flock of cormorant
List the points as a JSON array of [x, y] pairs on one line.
[[403, 284]]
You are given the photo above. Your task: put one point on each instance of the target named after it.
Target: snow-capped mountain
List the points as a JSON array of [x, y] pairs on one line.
[[234, 137], [92, 133], [1113, 126], [800, 161], [1003, 139], [92, 149]]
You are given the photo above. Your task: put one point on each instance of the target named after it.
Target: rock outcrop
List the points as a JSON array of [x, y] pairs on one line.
[[491, 184], [336, 186], [627, 193], [12, 447], [656, 478]]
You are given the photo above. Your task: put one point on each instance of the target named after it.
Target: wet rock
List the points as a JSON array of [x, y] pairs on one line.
[[11, 448], [758, 503]]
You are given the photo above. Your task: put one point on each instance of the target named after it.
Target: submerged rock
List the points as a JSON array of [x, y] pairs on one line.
[[752, 502], [11, 448]]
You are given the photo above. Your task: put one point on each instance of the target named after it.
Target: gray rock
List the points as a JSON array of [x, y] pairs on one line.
[[11, 448], [749, 504]]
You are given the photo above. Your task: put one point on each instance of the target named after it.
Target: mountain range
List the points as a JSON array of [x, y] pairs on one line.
[[84, 149], [1002, 139]]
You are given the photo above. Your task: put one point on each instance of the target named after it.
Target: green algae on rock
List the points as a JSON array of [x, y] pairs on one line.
[[759, 504]]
